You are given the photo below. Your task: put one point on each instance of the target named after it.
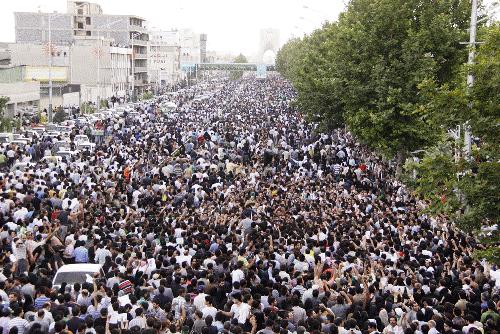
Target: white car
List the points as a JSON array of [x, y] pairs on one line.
[[84, 146], [22, 166], [51, 160], [6, 138], [67, 154], [82, 139], [76, 273]]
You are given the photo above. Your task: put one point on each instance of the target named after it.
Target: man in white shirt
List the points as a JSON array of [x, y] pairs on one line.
[[101, 253], [239, 310], [393, 327], [237, 275], [209, 309]]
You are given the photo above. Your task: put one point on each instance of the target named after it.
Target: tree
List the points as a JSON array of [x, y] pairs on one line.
[[147, 96], [239, 59], [466, 190], [3, 104], [60, 116], [365, 70]]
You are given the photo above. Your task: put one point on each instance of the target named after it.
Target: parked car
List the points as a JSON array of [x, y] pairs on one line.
[[6, 138], [22, 166], [67, 154], [84, 146], [81, 139], [51, 160]]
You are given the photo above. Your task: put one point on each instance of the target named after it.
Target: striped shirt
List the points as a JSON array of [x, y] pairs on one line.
[[20, 323], [138, 321], [126, 286], [40, 301]]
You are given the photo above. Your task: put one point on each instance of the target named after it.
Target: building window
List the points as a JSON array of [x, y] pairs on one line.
[[80, 25], [89, 33], [87, 20]]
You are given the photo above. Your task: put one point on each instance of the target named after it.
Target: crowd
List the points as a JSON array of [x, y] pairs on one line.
[[232, 214]]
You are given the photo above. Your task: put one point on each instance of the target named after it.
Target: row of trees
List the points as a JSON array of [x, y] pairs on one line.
[[394, 73]]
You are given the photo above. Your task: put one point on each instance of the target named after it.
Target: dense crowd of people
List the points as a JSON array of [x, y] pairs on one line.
[[231, 214]]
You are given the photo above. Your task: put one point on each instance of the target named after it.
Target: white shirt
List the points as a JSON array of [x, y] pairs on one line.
[[237, 275], [241, 312]]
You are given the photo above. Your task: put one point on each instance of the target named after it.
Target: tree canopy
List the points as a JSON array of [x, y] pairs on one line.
[[393, 72]]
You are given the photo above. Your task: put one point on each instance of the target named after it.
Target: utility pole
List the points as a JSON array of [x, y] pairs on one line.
[[470, 76], [50, 69]]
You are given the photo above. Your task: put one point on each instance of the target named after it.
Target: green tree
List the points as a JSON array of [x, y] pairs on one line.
[[147, 96], [239, 59], [3, 104], [60, 116], [466, 189], [87, 108], [389, 48], [365, 70]]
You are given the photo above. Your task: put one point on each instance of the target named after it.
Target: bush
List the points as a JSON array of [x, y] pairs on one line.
[[87, 108], [59, 116], [146, 96], [104, 104]]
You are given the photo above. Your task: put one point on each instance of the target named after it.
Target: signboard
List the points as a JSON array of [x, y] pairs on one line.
[[41, 73], [188, 67], [261, 71]]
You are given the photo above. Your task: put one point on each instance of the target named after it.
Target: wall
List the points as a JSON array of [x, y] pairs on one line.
[[20, 94], [37, 54]]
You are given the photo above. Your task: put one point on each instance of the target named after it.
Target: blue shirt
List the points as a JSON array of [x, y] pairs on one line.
[[81, 254]]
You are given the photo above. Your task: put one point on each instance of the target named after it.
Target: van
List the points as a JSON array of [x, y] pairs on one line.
[[76, 273]]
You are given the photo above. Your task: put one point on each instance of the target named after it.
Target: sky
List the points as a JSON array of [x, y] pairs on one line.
[[232, 26]]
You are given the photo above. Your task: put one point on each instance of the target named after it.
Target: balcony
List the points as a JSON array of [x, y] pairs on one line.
[[137, 28], [140, 42], [140, 69], [140, 56]]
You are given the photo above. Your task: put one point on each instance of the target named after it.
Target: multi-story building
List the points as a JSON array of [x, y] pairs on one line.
[[164, 56], [101, 68], [86, 20]]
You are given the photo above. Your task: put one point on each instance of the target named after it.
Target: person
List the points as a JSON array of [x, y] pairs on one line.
[[393, 327], [236, 206], [18, 321]]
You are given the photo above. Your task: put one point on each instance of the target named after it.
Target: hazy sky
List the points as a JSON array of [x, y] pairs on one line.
[[232, 25]]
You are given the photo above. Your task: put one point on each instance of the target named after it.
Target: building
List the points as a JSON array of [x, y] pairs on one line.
[[98, 66], [203, 48], [164, 56], [101, 68], [87, 20], [23, 93]]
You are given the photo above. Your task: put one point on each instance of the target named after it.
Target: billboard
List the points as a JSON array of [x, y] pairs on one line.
[[261, 71], [41, 73]]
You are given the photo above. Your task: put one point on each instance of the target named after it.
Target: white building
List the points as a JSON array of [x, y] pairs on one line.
[[86, 20], [96, 65], [101, 69], [164, 55]]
